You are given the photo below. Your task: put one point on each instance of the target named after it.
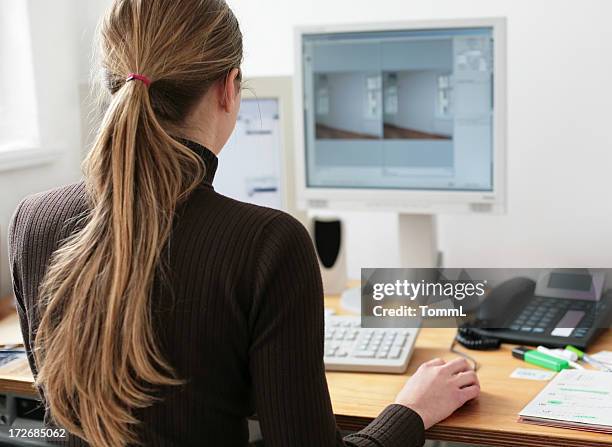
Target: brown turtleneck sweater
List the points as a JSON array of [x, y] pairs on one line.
[[240, 317]]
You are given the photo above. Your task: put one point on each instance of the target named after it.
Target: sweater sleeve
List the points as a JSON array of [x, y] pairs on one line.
[[16, 236], [286, 322]]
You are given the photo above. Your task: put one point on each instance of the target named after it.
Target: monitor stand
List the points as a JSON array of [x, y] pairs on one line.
[[418, 244]]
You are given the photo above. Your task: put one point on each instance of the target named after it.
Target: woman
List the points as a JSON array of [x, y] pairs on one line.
[[155, 310]]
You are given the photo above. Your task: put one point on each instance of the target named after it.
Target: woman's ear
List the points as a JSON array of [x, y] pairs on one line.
[[231, 90]]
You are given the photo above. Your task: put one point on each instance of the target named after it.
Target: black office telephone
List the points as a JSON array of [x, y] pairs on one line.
[[519, 311]]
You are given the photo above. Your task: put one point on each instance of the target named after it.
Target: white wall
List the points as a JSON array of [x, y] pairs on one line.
[[55, 59], [417, 92], [347, 99], [559, 140]]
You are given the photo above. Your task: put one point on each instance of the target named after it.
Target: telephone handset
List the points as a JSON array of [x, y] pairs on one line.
[[493, 313], [512, 294]]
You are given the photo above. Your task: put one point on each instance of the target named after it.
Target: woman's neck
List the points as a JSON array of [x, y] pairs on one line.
[[203, 137]]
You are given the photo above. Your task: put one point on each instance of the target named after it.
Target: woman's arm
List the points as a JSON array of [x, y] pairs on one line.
[[16, 235], [286, 354]]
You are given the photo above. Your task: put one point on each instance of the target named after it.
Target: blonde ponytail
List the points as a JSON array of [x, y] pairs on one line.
[[96, 350]]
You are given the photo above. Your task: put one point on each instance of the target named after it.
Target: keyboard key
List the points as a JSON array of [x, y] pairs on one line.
[[395, 352], [382, 355], [399, 341], [526, 329], [364, 354], [538, 330], [330, 351]]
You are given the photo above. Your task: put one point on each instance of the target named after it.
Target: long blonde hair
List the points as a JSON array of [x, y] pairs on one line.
[[96, 351]]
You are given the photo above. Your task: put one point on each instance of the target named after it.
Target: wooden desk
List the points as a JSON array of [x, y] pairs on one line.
[[15, 377], [357, 398]]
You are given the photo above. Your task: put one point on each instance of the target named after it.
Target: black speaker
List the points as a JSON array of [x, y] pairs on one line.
[[328, 236]]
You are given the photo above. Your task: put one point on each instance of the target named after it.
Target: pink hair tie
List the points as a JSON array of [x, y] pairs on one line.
[[139, 77]]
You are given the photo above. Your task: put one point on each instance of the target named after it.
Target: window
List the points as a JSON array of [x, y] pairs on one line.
[[391, 102], [373, 97], [322, 100], [18, 112], [444, 109]]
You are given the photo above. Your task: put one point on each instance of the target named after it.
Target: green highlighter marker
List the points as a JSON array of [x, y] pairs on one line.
[[539, 358]]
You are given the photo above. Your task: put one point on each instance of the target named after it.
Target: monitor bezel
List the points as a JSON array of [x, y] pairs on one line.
[[407, 200]]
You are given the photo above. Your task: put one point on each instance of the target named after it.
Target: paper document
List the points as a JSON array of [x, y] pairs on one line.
[[580, 399], [603, 357]]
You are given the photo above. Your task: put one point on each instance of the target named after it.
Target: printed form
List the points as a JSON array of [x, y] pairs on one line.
[[579, 399]]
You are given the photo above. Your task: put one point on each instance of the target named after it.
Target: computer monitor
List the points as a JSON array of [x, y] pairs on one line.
[[407, 117], [250, 165], [257, 164]]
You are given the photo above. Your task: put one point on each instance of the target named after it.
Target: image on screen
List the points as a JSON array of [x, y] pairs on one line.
[[399, 109]]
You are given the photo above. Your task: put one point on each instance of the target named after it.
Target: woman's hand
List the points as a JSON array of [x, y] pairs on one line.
[[438, 388]]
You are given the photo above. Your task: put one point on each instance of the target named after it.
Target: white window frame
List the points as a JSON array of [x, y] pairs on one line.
[[323, 97], [25, 150], [373, 97]]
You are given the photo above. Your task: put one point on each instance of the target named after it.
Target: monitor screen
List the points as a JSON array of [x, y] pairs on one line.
[[399, 109], [250, 163]]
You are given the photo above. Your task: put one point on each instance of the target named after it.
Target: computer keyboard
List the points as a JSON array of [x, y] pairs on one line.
[[349, 347]]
